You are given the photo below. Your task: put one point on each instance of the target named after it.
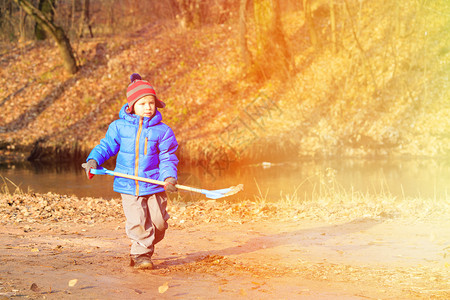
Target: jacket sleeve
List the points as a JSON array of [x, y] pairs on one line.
[[108, 147], [168, 161]]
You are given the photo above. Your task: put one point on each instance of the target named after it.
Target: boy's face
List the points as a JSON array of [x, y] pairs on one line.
[[145, 107]]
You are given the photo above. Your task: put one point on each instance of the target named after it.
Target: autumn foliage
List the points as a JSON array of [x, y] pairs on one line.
[[376, 85]]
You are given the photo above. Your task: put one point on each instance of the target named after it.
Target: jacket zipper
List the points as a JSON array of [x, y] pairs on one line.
[[136, 162], [145, 146]]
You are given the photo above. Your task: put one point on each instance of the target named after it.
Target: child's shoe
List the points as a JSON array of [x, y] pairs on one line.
[[142, 262]]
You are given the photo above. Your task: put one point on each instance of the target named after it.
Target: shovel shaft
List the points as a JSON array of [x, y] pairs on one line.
[[178, 186], [209, 194]]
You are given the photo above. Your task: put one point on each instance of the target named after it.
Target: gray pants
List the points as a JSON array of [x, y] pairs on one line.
[[146, 221]]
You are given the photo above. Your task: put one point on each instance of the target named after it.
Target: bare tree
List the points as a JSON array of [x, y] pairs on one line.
[[310, 23], [85, 19], [56, 32], [73, 14], [191, 12], [272, 53], [333, 26], [47, 7], [5, 19], [246, 56], [22, 25]]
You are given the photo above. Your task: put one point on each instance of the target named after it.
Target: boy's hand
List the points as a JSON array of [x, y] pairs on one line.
[[170, 185], [91, 164]]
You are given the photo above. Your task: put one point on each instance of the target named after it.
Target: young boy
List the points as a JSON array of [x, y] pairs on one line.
[[145, 147]]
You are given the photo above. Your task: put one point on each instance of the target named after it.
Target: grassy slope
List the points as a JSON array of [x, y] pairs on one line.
[[385, 92]]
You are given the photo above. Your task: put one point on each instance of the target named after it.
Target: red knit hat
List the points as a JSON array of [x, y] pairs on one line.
[[139, 88]]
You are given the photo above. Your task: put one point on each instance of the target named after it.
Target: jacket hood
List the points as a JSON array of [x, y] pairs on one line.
[[134, 119]]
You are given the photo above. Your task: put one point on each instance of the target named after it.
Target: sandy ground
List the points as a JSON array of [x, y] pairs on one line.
[[357, 260], [229, 258]]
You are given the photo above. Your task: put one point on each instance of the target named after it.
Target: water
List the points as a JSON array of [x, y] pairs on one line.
[[302, 179]]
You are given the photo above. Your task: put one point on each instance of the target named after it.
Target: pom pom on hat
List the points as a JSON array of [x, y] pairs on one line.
[[139, 88], [135, 76]]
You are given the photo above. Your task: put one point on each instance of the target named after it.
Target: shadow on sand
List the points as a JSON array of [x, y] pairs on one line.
[[298, 237]]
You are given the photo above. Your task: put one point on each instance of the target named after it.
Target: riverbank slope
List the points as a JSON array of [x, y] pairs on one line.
[[384, 91]]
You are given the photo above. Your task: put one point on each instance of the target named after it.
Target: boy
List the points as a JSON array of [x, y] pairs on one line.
[[145, 147]]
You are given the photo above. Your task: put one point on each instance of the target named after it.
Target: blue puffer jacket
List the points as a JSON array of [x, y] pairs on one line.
[[150, 155]]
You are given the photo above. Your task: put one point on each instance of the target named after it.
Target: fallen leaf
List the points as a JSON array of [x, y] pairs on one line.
[[34, 287], [35, 250], [163, 288], [73, 282]]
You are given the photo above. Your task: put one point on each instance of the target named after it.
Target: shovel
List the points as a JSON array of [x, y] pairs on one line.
[[215, 194]]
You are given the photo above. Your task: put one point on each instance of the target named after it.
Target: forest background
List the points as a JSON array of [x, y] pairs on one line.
[[243, 81]]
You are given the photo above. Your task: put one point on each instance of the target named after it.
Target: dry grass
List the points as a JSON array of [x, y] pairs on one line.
[[9, 187], [330, 201]]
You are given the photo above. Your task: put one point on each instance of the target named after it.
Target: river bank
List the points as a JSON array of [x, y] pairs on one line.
[[378, 95], [59, 247]]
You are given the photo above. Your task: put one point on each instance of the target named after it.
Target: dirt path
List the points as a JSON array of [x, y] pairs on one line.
[[226, 258]]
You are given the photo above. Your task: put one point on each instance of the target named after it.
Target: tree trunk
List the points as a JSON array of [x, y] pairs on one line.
[[85, 19], [310, 23], [246, 56], [47, 9], [272, 51], [73, 14], [279, 38], [333, 26], [191, 15], [22, 22], [56, 32]]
